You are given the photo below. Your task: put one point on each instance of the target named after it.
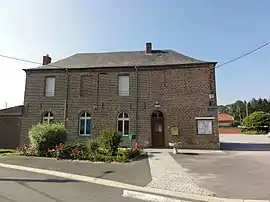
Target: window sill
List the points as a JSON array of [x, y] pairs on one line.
[[84, 135]]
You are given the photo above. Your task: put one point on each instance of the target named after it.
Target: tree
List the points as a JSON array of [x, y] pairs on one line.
[[239, 108], [258, 122]]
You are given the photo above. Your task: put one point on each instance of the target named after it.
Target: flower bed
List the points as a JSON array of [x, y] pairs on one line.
[[74, 151], [105, 148]]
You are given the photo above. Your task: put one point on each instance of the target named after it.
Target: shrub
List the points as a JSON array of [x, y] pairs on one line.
[[122, 156], [257, 123], [46, 136], [93, 145], [109, 141]]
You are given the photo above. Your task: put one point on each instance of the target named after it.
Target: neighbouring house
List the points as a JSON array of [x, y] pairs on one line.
[[158, 95], [10, 123], [225, 119]]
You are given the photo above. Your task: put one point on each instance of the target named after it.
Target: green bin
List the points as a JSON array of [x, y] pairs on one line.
[[132, 137]]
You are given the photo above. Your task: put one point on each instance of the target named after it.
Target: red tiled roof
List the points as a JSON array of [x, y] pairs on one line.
[[225, 117]]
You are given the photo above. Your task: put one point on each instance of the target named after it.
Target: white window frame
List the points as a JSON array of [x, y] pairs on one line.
[[123, 119], [50, 86], [85, 118], [48, 117], [121, 85]]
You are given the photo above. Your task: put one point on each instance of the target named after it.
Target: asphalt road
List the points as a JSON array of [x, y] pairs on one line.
[[233, 174], [20, 186]]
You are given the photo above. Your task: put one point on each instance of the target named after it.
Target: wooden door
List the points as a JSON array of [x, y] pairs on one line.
[[157, 125]]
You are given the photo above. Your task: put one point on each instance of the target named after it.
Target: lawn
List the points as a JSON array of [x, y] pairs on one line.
[[8, 152]]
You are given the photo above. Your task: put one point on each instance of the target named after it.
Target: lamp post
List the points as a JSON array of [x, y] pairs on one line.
[[98, 76]]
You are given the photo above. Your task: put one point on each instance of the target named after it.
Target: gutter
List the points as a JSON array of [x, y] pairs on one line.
[[137, 102], [66, 98], [167, 66]]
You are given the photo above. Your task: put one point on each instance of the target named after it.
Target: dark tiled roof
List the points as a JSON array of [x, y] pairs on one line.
[[123, 59], [16, 110]]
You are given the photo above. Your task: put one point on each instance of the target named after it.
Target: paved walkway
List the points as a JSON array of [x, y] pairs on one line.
[[168, 174]]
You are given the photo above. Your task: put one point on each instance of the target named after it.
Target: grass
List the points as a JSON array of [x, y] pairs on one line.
[[8, 152]]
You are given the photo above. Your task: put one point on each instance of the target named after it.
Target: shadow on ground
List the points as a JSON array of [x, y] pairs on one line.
[[36, 180]]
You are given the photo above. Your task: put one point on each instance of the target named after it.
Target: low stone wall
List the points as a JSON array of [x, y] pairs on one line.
[[226, 130]]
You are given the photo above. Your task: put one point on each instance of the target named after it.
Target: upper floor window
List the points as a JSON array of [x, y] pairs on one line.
[[48, 117], [123, 85], [85, 124], [86, 85], [49, 86], [123, 123]]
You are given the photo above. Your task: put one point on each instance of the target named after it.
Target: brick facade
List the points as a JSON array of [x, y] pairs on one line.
[[182, 91]]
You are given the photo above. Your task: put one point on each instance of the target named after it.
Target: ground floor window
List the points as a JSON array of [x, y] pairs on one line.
[[123, 123], [48, 117], [85, 124]]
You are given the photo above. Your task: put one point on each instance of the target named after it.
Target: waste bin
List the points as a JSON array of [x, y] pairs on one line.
[[131, 136]]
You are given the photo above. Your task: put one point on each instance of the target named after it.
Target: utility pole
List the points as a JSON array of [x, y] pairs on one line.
[[6, 104], [246, 109], [239, 111]]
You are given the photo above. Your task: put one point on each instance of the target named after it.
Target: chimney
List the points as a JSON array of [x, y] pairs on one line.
[[148, 48], [46, 59]]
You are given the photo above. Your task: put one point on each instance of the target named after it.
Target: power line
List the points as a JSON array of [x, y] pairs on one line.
[[244, 55], [28, 61]]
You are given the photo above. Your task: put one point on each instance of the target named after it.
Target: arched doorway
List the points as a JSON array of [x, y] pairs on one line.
[[157, 129]]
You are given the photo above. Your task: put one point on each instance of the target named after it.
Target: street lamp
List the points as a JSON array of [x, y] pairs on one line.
[[98, 76]]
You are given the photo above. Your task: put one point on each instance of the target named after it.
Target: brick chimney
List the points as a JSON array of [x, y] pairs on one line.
[[148, 48], [46, 59]]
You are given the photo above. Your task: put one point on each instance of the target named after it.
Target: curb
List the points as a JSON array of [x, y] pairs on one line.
[[104, 182], [149, 197]]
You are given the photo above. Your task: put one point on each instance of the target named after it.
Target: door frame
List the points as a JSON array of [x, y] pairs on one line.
[[157, 116]]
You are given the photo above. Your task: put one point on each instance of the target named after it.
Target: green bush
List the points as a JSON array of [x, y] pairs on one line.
[[93, 145], [122, 156], [46, 136], [110, 140], [257, 123]]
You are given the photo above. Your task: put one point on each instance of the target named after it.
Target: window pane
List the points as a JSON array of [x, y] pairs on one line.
[[82, 126], [123, 85], [126, 115], [126, 125], [50, 86], [120, 126], [120, 115], [88, 126]]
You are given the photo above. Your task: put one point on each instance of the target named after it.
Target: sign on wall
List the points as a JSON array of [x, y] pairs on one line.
[[205, 127], [174, 131]]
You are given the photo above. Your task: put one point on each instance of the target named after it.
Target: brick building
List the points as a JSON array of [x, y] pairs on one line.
[[160, 95], [10, 124]]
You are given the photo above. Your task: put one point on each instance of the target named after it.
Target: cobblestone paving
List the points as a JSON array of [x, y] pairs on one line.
[[168, 174]]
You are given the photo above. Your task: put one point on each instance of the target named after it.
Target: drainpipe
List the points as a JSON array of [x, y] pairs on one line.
[[137, 101], [66, 98]]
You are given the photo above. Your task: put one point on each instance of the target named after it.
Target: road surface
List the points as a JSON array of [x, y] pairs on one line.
[[20, 186]]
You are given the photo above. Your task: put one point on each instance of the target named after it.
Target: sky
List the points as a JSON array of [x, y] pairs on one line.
[[205, 29]]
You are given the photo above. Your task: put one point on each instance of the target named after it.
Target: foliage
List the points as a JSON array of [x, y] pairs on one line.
[[46, 136], [257, 121], [8, 152], [26, 150], [105, 148], [110, 140], [253, 132], [93, 145], [240, 108]]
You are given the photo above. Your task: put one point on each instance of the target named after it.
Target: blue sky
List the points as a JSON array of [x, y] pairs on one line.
[[204, 29]]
